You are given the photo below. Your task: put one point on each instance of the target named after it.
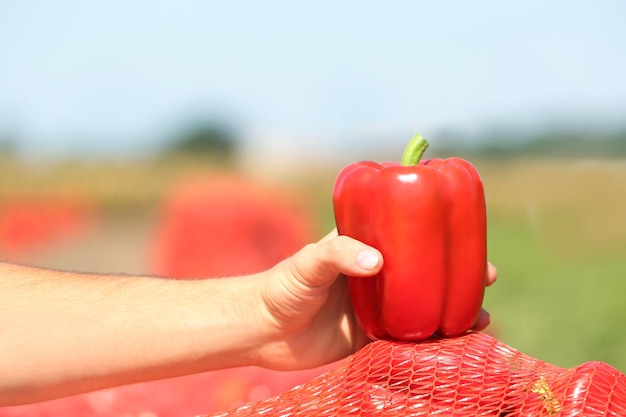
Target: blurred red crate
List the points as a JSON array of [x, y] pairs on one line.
[[225, 226], [30, 223]]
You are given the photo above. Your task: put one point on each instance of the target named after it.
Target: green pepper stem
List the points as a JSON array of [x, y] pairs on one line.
[[414, 150]]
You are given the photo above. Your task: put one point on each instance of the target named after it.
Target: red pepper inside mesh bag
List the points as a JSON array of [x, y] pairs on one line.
[[471, 375]]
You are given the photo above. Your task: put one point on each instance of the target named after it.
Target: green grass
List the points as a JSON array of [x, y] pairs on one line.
[[563, 309]]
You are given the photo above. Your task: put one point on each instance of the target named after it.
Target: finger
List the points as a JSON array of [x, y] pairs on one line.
[[483, 320], [492, 274], [319, 264], [329, 236]]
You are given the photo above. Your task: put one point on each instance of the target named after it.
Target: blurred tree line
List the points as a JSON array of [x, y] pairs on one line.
[[220, 142], [211, 138], [554, 142], [8, 144]]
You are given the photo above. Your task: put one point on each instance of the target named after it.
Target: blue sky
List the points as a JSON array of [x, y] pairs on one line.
[[120, 76]]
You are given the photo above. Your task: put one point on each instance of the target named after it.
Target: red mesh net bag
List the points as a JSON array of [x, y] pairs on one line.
[[472, 375]]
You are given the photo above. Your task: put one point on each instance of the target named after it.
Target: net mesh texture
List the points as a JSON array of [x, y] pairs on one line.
[[471, 375]]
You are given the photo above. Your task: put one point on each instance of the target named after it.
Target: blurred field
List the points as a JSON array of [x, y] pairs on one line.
[[557, 233]]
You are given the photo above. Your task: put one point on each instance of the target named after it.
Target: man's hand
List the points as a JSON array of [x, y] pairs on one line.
[[308, 305]]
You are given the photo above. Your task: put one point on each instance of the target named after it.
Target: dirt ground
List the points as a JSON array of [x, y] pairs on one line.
[[111, 245]]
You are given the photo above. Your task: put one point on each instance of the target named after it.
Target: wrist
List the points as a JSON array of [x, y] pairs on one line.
[[234, 326]]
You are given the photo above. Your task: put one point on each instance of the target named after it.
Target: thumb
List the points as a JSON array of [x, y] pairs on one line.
[[319, 264]]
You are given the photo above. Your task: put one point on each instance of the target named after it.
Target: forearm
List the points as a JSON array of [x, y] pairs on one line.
[[64, 333]]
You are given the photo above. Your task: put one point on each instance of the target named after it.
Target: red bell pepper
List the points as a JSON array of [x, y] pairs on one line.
[[428, 220]]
